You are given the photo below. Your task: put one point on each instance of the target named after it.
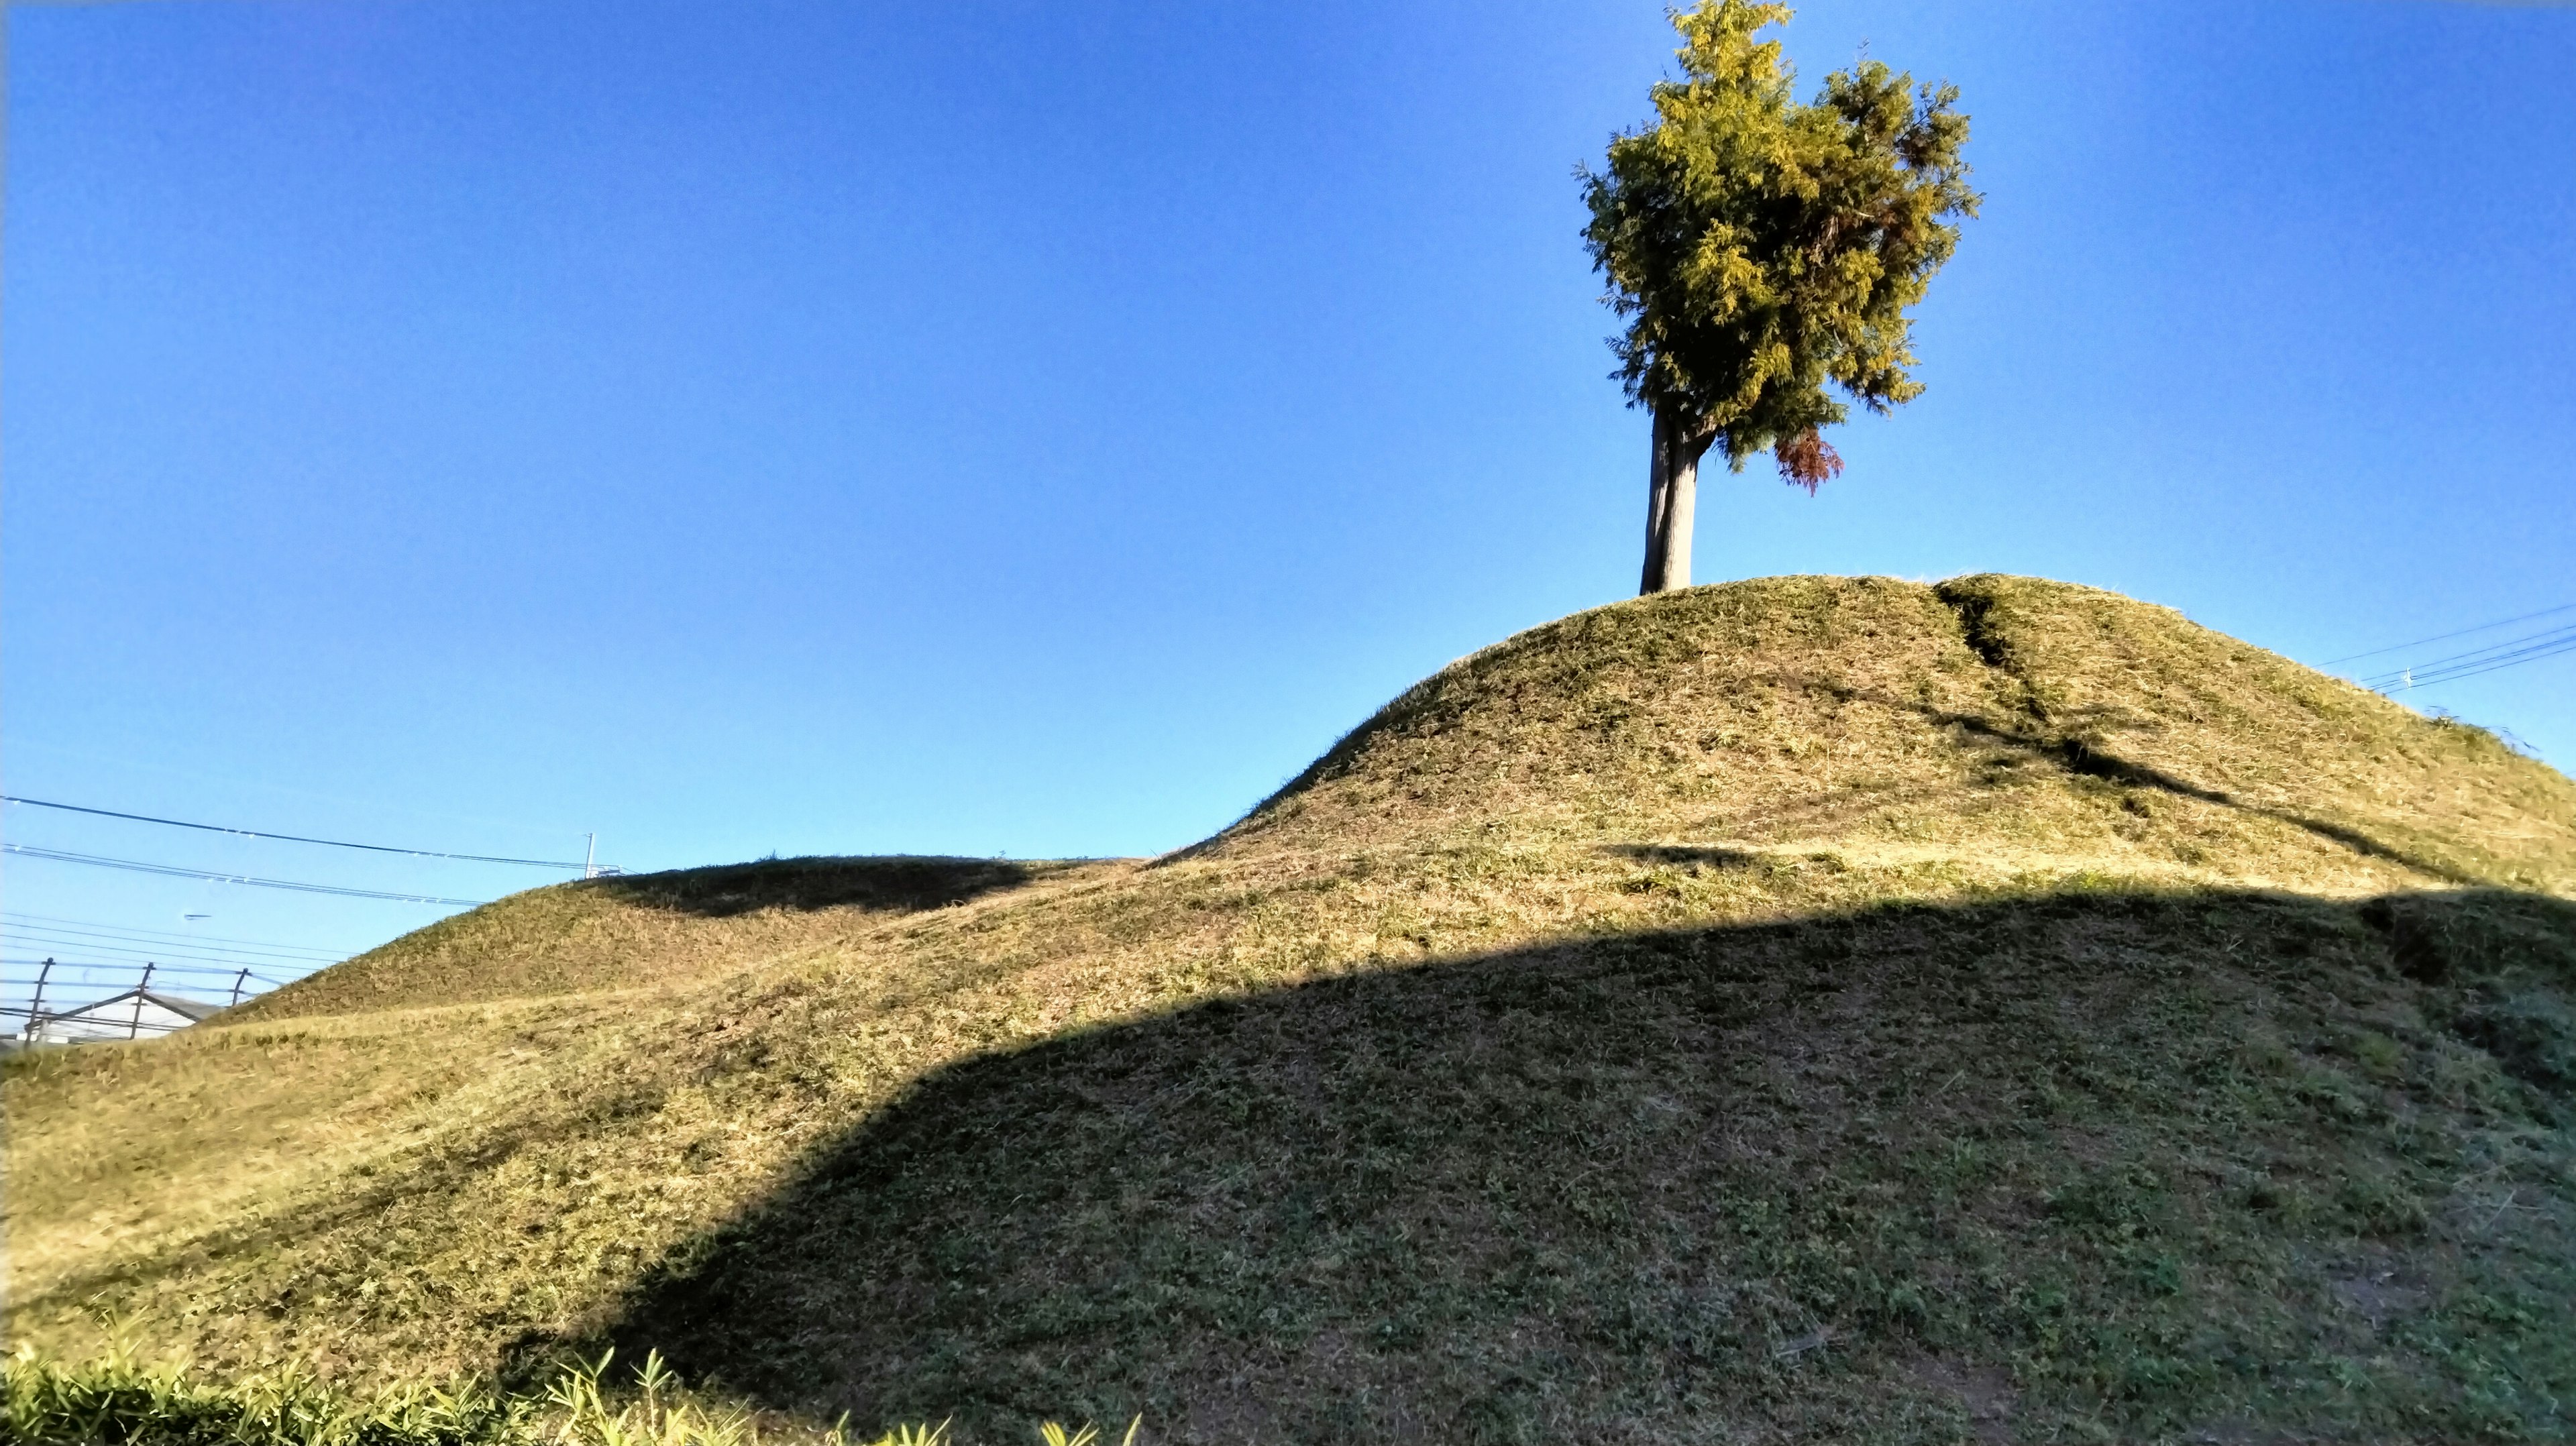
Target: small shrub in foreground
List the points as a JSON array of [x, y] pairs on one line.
[[118, 1400]]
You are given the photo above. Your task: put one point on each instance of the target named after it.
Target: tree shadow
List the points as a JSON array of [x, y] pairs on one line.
[[1705, 856], [2076, 748], [1779, 1179], [891, 883]]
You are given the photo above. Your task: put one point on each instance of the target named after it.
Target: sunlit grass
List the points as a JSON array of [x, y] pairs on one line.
[[120, 1399], [1936, 916]]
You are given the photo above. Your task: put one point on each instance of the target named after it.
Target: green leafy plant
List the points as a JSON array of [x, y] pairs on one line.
[[1761, 248], [1055, 1435], [120, 1400]]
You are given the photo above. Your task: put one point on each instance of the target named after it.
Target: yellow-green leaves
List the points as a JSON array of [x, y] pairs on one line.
[[1761, 248], [1089, 1435]]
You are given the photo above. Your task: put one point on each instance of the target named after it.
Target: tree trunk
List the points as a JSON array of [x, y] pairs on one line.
[[1672, 490]]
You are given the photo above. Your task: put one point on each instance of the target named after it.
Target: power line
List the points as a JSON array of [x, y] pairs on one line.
[[163, 952], [2512, 652], [2411, 678], [2409, 681], [192, 938], [2517, 650], [2446, 637], [83, 946], [150, 951], [143, 868], [156, 967], [292, 838], [14, 925], [51, 931]]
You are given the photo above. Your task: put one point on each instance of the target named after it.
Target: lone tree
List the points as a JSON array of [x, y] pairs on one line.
[[1761, 248]]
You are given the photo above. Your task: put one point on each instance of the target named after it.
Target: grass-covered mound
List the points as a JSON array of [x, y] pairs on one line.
[[1800, 1008], [652, 928]]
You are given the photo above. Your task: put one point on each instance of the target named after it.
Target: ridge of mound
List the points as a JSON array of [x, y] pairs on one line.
[[1997, 716], [1805, 1007], [636, 930]]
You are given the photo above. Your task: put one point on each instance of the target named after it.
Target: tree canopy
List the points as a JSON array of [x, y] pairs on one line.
[[1762, 248]]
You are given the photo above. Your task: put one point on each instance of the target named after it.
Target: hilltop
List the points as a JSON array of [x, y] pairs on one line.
[[1802, 1007]]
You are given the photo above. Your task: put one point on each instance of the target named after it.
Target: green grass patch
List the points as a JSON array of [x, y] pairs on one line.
[[120, 1400], [1805, 1008]]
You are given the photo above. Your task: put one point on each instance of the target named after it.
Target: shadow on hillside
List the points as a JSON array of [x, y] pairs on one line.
[[1705, 856], [895, 883], [2074, 745], [1837, 1175]]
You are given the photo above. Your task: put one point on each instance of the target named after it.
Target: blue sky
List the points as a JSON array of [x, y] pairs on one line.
[[1039, 429]]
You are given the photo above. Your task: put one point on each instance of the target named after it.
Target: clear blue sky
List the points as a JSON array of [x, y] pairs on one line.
[[1035, 428]]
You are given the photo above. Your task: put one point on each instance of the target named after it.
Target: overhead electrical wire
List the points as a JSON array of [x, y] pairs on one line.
[[140, 936], [95, 861], [2469, 663], [294, 838], [157, 968], [88, 946], [82, 946], [2428, 679], [152, 955], [13, 928], [137, 930], [2512, 652], [2446, 637]]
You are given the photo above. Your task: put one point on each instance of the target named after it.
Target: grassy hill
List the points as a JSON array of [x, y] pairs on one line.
[[1791, 1009]]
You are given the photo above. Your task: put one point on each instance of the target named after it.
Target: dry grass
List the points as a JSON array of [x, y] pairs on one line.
[[653, 929], [1989, 720], [1606, 1009]]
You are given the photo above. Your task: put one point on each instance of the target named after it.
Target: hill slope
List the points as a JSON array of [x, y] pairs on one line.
[[1797, 1007]]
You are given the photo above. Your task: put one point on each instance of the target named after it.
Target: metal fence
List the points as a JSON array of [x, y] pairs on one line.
[[67, 1003]]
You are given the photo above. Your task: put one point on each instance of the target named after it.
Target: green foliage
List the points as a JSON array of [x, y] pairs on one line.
[[119, 1400], [1055, 1435], [1762, 248]]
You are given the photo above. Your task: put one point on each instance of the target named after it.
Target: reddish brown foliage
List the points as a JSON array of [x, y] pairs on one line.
[[1807, 460]]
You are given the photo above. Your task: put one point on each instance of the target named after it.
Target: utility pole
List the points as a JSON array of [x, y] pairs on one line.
[[239, 983], [135, 1030], [36, 1006], [590, 857]]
